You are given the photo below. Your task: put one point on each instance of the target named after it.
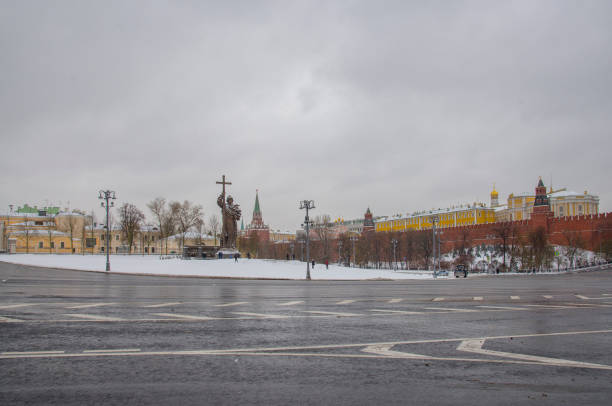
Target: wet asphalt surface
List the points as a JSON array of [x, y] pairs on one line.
[[69, 337]]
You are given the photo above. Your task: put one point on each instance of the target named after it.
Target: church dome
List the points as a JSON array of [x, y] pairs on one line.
[[494, 192]]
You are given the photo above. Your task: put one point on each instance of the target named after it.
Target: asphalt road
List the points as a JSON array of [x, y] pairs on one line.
[[69, 337]]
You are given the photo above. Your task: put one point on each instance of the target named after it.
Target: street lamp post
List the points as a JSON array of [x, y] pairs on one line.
[[434, 220], [105, 195], [339, 252], [307, 205], [353, 239], [394, 243]]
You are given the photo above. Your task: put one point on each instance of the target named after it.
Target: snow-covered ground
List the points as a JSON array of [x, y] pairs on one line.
[[228, 268]]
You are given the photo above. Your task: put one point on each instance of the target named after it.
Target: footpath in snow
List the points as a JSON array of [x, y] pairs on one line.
[[222, 268]]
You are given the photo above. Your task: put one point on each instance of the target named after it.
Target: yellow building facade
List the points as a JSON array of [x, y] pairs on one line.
[[477, 213]]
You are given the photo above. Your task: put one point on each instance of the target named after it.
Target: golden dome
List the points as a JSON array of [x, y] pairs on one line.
[[494, 192]]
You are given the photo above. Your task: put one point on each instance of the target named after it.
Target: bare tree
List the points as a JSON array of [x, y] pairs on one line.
[[539, 247], [322, 230], [187, 215], [27, 233], [130, 218], [574, 243], [503, 231], [72, 223], [213, 226]]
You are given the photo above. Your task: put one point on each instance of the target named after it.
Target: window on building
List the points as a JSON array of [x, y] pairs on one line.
[[62, 244], [117, 237], [102, 238], [52, 244], [101, 249], [152, 250], [579, 207], [38, 223], [40, 244]]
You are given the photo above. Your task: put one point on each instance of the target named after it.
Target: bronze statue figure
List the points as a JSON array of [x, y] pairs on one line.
[[231, 214]]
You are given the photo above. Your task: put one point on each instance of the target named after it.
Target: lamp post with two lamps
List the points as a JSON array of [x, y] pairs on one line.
[[307, 205], [107, 195]]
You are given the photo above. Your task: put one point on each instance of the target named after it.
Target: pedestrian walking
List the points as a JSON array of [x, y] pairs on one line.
[[287, 257], [326, 264], [248, 255], [236, 257], [313, 264]]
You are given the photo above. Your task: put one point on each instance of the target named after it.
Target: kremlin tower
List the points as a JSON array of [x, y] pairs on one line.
[[257, 226], [368, 222]]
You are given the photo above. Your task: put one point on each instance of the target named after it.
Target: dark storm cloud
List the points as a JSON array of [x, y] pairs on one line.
[[398, 106]]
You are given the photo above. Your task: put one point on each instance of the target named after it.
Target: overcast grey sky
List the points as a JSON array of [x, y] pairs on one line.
[[399, 106]]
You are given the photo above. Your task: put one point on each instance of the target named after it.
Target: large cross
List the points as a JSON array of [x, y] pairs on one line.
[[223, 182]]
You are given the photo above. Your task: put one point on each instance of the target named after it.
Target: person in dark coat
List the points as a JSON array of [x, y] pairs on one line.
[[248, 255], [236, 257], [326, 264], [313, 264]]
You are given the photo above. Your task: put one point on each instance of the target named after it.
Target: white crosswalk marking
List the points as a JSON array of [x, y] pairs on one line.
[[164, 304], [332, 313], [15, 306], [437, 299], [231, 304], [9, 320], [348, 301], [94, 317], [395, 300], [515, 297], [87, 306], [547, 296], [394, 311], [292, 303], [553, 306], [261, 315], [183, 316], [478, 297]]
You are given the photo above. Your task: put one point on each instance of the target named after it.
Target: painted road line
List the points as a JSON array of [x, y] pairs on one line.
[[553, 306], [515, 297], [547, 296], [591, 298], [348, 301], [437, 299], [87, 306], [15, 306], [503, 307], [395, 300], [588, 304], [261, 315], [32, 352], [450, 309], [9, 320], [94, 317], [475, 346], [292, 303], [332, 313], [183, 316], [385, 350], [231, 304], [395, 311], [478, 298], [164, 304], [111, 351]]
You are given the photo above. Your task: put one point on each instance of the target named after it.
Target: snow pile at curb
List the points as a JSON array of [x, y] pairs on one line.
[[225, 268]]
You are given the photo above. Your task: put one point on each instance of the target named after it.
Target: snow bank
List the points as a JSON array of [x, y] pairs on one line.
[[227, 268]]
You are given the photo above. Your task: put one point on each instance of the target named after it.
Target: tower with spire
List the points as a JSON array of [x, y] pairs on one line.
[[368, 222], [257, 225]]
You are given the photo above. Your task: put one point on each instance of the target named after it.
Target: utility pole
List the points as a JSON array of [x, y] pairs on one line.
[[394, 243], [105, 195], [434, 220], [339, 252], [308, 205]]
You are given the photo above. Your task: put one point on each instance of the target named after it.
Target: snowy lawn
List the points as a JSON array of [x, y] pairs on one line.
[[226, 268]]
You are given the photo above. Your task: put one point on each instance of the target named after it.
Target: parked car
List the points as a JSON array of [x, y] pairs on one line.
[[461, 270]]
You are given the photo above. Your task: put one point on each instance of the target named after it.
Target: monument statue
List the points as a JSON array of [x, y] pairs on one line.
[[231, 214]]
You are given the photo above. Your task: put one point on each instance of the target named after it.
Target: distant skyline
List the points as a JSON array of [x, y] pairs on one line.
[[397, 106]]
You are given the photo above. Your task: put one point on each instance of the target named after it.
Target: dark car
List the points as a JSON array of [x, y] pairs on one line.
[[461, 270]]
